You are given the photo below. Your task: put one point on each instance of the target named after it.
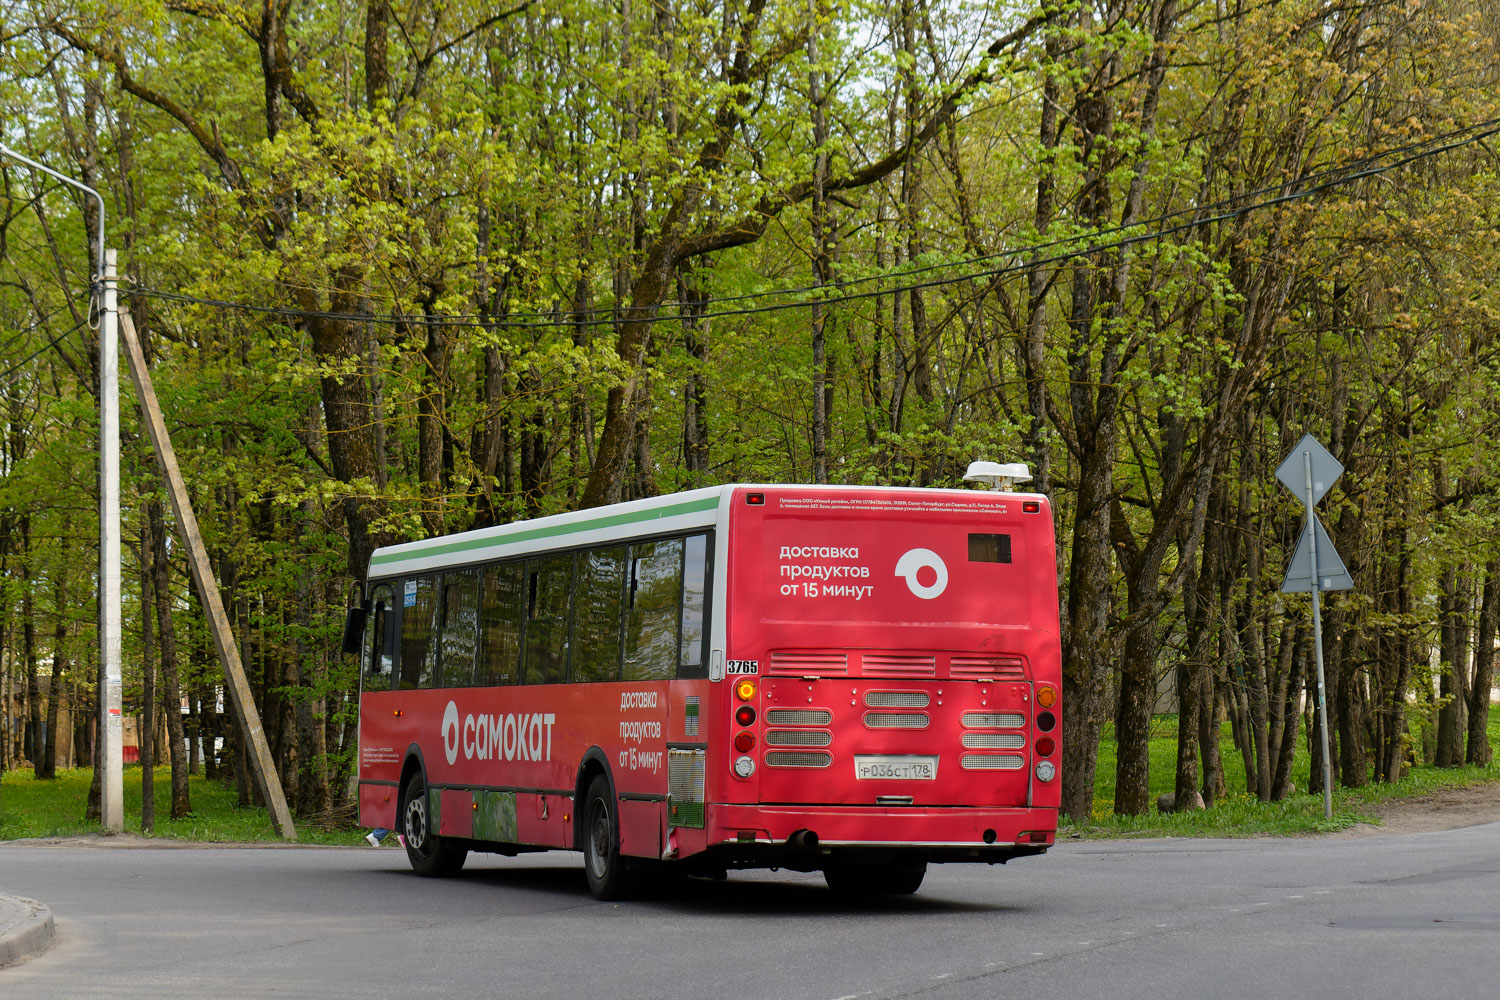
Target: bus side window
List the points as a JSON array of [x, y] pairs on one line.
[[694, 593], [549, 587], [376, 657], [460, 627], [418, 655], [500, 658], [653, 610], [597, 597]]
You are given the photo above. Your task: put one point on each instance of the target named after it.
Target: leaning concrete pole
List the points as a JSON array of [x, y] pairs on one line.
[[266, 777]]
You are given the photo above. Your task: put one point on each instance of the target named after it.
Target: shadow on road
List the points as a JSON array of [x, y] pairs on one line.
[[798, 894]]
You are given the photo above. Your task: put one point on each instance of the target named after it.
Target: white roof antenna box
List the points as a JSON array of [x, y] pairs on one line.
[[998, 476]]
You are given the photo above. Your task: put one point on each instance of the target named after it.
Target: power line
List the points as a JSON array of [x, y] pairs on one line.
[[1214, 212], [33, 328], [40, 351]]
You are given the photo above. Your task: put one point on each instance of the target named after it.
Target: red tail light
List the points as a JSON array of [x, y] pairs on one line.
[[744, 715], [1045, 746], [744, 741]]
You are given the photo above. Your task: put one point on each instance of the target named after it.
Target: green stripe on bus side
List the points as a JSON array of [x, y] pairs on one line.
[[593, 524]]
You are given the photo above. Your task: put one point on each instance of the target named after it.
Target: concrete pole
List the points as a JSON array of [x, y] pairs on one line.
[[110, 745]]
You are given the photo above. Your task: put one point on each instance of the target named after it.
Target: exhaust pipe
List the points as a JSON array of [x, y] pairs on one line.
[[803, 840]]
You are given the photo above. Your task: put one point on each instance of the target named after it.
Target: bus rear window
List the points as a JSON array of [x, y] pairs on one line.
[[989, 548]]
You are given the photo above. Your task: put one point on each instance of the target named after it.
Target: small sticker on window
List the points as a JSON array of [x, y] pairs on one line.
[[410, 596]]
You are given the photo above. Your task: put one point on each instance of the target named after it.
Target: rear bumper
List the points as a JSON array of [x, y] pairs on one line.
[[807, 837]]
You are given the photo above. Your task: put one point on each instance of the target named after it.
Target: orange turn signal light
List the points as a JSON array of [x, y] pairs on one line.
[[745, 690], [1046, 697]]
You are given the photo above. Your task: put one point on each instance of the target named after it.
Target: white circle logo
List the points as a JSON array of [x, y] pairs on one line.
[[450, 732], [919, 559]]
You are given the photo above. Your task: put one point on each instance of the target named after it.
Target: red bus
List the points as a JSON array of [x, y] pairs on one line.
[[855, 680]]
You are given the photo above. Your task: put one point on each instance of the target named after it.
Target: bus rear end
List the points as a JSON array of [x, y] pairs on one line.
[[892, 683]]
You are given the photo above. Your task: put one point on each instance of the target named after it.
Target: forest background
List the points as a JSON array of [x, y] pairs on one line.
[[410, 268]]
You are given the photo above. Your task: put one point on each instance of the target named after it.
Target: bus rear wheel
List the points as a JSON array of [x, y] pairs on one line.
[[896, 878], [608, 873], [429, 854]]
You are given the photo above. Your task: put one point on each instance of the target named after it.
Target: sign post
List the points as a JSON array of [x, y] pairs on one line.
[[1308, 472]]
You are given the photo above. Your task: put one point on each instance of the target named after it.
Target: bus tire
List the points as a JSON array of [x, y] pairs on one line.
[[898, 878], [431, 856], [608, 873]]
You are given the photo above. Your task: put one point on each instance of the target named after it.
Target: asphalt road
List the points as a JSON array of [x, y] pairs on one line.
[[1391, 916]]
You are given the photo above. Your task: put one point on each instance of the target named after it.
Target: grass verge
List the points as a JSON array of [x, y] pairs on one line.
[[1241, 814], [32, 808]]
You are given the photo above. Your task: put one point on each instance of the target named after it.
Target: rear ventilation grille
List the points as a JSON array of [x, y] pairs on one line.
[[992, 762], [809, 664], [897, 720], [798, 717], [798, 737], [796, 758], [898, 665], [1001, 668], [897, 699], [994, 720], [994, 741]]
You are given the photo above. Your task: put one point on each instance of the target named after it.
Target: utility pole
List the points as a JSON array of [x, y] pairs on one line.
[[108, 749]]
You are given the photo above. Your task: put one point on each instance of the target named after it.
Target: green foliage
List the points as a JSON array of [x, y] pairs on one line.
[[489, 205]]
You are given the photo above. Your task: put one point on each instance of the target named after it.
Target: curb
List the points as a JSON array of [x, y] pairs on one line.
[[25, 929]]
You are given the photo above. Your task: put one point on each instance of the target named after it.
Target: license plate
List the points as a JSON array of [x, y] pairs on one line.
[[908, 767]]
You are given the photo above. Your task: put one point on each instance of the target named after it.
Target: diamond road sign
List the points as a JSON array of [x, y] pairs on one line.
[[1308, 472], [1325, 469]]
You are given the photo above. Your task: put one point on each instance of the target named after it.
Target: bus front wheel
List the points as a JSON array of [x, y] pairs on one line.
[[608, 875], [429, 854]]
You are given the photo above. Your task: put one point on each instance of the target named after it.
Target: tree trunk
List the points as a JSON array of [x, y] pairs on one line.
[[820, 252], [1085, 638], [147, 730], [47, 767], [1133, 733], [171, 689], [695, 434], [1479, 751], [1453, 607], [1288, 707], [34, 737]]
